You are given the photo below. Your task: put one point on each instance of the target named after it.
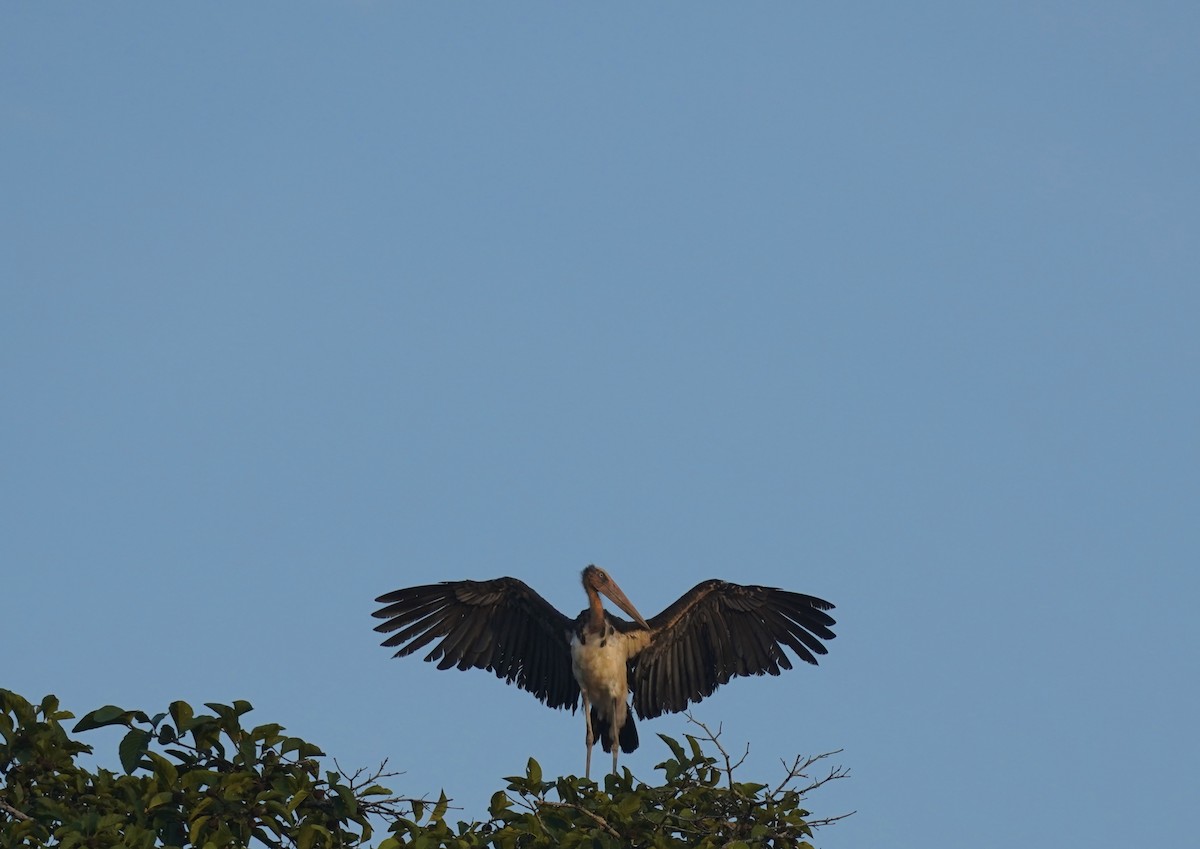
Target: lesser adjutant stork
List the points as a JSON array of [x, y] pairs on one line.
[[714, 632]]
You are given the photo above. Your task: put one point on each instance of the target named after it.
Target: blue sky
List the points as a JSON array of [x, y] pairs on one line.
[[895, 306]]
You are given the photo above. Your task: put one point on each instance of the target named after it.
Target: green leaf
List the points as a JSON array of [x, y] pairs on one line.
[[499, 803], [533, 771], [443, 803], [133, 746], [629, 804], [159, 799], [182, 713], [268, 733], [247, 750], [308, 834], [750, 789], [348, 801], [107, 715], [230, 713], [295, 801], [163, 768], [196, 827], [676, 749]]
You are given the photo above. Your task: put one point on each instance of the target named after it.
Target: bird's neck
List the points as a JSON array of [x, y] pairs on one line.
[[595, 622]]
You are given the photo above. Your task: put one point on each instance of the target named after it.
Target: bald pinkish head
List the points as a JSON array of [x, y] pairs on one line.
[[597, 580]]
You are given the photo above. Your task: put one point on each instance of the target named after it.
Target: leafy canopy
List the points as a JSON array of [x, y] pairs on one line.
[[204, 780]]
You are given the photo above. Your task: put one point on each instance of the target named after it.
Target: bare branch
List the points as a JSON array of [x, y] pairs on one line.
[[799, 769], [714, 739], [596, 818], [834, 774], [829, 820], [361, 779], [742, 759], [9, 809]]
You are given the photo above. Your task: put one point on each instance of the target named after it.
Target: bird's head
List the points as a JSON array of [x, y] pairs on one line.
[[597, 580]]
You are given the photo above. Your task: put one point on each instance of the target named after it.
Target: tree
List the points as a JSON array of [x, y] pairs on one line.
[[204, 780]]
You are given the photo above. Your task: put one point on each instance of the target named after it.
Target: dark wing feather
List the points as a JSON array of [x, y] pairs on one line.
[[502, 626], [718, 631]]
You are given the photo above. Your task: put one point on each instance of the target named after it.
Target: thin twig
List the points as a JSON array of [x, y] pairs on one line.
[[829, 820], [834, 774], [799, 768], [361, 779], [714, 739]]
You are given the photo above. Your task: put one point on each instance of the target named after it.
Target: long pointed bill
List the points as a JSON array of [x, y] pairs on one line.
[[622, 601]]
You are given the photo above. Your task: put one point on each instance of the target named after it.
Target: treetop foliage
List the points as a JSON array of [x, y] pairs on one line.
[[204, 780]]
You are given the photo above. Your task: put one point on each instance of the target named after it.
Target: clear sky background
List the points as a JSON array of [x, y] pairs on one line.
[[895, 305]]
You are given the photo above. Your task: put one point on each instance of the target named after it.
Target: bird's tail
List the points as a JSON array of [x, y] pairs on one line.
[[628, 736]]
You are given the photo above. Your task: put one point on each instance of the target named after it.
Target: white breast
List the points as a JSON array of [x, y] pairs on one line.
[[599, 666]]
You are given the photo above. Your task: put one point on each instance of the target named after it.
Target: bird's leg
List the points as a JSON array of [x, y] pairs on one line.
[[616, 733], [589, 738]]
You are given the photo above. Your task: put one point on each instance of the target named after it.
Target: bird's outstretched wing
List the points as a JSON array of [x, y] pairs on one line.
[[717, 631], [502, 626]]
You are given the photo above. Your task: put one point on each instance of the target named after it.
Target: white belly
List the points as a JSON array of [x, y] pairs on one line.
[[599, 666]]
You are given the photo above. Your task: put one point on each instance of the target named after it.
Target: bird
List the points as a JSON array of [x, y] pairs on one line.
[[716, 631]]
